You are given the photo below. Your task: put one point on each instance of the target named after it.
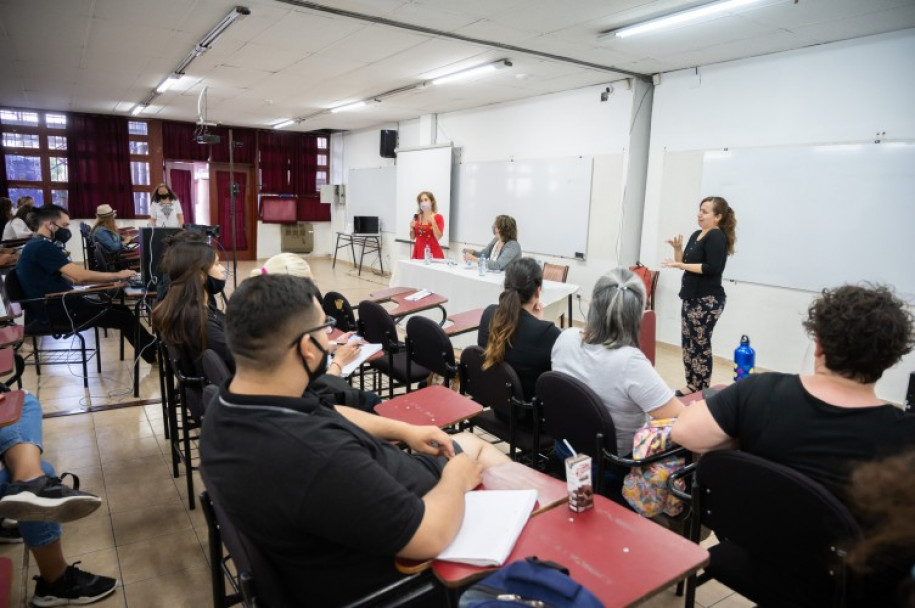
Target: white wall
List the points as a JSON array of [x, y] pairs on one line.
[[559, 125], [842, 92]]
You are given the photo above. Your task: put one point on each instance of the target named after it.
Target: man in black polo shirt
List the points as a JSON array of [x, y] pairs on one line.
[[43, 268], [320, 489]]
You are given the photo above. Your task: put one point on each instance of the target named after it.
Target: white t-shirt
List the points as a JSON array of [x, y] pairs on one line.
[[622, 377], [166, 214], [16, 229]]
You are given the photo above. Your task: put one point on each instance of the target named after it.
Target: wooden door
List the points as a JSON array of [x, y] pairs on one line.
[[245, 208]]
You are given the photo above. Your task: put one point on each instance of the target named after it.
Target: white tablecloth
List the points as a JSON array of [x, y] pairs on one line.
[[466, 290]]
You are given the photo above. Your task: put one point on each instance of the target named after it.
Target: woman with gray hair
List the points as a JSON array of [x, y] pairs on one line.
[[606, 356]]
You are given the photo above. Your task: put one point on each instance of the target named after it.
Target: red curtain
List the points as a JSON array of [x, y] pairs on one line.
[[181, 182], [224, 195], [98, 157], [276, 151], [179, 143]]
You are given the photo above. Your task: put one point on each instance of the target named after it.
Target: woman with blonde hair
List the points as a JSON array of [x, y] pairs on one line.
[[105, 230], [285, 263]]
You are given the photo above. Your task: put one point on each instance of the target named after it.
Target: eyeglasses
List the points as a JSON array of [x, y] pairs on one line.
[[327, 326]]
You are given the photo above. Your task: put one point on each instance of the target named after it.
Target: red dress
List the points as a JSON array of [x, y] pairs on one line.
[[425, 236]]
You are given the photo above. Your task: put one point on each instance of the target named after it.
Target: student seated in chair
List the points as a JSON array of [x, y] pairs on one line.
[[31, 493], [514, 330], [105, 230], [826, 423], [318, 488], [44, 269]]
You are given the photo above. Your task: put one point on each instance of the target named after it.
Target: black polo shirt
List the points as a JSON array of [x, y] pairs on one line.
[[327, 503]]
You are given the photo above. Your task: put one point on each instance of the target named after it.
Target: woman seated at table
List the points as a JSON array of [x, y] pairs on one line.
[[18, 227], [187, 317], [426, 227], [606, 356], [503, 249], [514, 330], [105, 231]]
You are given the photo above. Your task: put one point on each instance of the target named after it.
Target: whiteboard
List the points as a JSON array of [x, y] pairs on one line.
[[819, 216], [418, 170], [372, 192], [549, 198]]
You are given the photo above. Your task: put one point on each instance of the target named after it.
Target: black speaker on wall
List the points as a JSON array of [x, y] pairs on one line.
[[388, 143]]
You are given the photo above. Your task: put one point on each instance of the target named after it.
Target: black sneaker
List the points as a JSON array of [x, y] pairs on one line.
[[47, 499], [9, 532], [74, 587]]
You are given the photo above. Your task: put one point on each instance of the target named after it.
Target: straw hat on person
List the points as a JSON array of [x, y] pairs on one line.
[[104, 211]]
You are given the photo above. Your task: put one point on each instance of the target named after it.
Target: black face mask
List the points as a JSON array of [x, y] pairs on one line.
[[322, 365], [62, 235], [214, 286]]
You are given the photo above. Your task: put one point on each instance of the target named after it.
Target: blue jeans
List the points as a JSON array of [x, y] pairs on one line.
[[28, 430]]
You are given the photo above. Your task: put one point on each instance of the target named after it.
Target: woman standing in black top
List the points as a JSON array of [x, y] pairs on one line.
[[703, 297]]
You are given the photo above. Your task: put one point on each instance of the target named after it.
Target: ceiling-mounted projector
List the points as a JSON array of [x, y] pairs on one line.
[[206, 138]]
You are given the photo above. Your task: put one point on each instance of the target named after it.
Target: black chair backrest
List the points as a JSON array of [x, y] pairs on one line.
[[13, 286], [336, 305], [430, 346], [377, 326], [774, 513], [102, 262], [572, 411], [248, 559], [191, 384], [213, 368], [494, 387]]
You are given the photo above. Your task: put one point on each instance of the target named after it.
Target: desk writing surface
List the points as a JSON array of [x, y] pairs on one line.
[[466, 290], [11, 334], [617, 554], [434, 405]]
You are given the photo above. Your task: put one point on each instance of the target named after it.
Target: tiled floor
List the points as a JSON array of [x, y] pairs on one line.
[[144, 534]]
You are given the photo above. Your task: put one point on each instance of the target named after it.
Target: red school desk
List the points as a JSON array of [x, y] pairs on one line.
[[435, 405], [620, 556]]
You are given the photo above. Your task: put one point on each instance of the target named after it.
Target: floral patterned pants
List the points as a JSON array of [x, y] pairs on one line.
[[697, 321]]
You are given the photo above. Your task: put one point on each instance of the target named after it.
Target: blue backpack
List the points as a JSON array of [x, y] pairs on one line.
[[529, 583]]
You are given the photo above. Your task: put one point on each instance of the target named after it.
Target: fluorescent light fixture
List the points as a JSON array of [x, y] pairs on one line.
[[213, 35], [168, 83], [137, 109], [471, 72], [653, 25], [356, 105], [839, 148], [285, 123]]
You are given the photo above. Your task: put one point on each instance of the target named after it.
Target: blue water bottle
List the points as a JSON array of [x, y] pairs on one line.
[[744, 359], [481, 264], [427, 255]]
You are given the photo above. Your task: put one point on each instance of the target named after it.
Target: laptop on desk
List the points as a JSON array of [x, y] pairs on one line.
[[366, 225]]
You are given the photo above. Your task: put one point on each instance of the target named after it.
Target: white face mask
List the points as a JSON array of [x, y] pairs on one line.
[[425, 206]]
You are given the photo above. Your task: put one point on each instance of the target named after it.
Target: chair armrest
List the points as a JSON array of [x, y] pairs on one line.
[[632, 462], [684, 472]]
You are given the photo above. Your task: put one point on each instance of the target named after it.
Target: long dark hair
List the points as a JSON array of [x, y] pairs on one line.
[[728, 222], [523, 277], [181, 317], [6, 209]]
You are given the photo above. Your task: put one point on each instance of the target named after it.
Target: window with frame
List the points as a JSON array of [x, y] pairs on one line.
[[322, 166], [138, 133], [35, 151]]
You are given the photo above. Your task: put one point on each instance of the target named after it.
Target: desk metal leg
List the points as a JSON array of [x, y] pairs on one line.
[[380, 258], [336, 249], [570, 310]]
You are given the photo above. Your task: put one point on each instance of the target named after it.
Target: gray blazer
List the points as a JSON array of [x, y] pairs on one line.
[[510, 251]]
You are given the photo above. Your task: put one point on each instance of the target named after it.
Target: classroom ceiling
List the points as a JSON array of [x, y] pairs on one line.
[[290, 58]]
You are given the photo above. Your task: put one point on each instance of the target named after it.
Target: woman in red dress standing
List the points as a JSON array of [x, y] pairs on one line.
[[426, 227]]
